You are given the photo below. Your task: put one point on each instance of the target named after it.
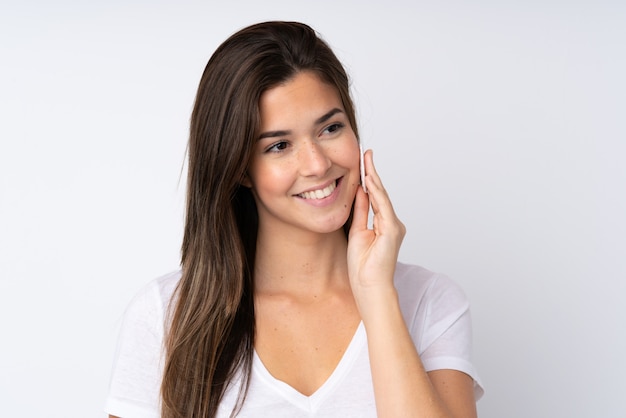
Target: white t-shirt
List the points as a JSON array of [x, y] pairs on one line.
[[434, 308]]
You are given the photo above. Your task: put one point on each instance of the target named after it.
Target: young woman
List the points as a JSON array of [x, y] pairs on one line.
[[288, 304]]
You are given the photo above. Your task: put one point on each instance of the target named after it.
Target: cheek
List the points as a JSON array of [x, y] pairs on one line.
[[351, 154], [346, 150], [350, 158], [269, 178]]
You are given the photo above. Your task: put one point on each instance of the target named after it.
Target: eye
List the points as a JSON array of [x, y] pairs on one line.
[[278, 146], [334, 127]]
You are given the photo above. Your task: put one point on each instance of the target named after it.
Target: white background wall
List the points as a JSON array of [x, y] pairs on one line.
[[498, 127]]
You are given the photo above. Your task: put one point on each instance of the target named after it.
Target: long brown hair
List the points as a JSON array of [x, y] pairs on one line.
[[210, 330]]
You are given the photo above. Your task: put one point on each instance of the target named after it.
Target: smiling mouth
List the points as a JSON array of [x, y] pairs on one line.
[[320, 193]]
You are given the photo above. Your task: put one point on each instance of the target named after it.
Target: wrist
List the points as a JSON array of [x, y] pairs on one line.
[[377, 302]]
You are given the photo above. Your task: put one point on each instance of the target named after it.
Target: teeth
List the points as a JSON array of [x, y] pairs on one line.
[[319, 194]]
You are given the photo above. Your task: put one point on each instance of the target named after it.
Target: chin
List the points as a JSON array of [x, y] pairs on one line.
[[336, 224]]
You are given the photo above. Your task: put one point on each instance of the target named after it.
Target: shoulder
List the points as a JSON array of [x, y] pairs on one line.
[[437, 314], [149, 304], [161, 288], [412, 277], [418, 286], [165, 285], [136, 373], [428, 298]]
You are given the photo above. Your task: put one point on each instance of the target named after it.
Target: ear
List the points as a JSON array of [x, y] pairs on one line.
[[245, 181]]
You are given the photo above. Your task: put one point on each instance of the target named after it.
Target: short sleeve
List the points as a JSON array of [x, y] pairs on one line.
[[437, 313], [446, 330], [136, 374]]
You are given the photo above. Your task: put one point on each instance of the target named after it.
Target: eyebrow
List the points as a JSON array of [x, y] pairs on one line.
[[318, 121]]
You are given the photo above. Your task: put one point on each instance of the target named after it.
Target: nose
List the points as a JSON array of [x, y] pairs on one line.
[[313, 159]]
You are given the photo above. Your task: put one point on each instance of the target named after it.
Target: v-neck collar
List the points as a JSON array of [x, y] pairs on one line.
[[313, 402]]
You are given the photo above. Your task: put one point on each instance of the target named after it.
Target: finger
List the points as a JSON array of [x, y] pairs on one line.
[[361, 210], [379, 198], [385, 219], [370, 170]]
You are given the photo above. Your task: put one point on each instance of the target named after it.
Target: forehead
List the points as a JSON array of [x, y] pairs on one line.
[[305, 96]]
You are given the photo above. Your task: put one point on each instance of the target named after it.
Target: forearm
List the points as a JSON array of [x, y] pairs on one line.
[[401, 385]]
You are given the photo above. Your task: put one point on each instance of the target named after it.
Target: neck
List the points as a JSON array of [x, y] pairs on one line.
[[303, 263]]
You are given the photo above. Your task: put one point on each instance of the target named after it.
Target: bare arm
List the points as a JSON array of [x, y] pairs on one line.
[[456, 389], [401, 385]]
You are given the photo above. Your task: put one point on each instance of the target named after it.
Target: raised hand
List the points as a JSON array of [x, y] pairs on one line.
[[373, 253]]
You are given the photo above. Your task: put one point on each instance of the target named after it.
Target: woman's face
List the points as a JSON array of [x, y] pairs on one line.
[[304, 169]]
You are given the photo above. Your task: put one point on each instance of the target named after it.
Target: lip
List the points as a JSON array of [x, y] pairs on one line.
[[326, 200], [322, 186]]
